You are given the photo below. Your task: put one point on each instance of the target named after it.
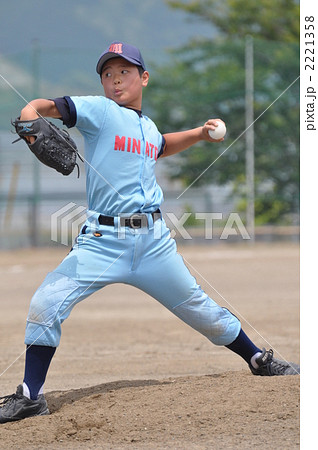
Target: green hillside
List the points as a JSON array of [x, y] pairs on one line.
[[51, 48]]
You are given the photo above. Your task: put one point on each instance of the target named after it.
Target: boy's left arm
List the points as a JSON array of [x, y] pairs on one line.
[[177, 142]]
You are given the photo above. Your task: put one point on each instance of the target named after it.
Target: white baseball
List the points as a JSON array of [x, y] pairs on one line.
[[219, 131]]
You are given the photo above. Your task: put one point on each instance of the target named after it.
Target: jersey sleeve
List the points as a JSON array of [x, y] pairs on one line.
[[67, 110], [91, 114], [163, 143]]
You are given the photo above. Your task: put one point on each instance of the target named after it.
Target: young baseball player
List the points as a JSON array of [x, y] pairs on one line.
[[125, 238]]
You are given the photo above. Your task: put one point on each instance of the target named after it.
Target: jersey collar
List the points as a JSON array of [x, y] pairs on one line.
[[137, 111]]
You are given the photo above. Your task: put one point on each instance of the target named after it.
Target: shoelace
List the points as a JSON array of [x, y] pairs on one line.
[[275, 366], [7, 398], [279, 366]]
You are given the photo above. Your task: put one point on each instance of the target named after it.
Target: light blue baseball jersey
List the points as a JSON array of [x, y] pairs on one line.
[[121, 150]]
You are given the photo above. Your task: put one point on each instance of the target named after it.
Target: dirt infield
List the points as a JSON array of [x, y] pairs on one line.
[[130, 375]]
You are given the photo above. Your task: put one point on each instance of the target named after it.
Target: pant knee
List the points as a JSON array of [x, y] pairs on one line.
[[49, 307], [218, 324]]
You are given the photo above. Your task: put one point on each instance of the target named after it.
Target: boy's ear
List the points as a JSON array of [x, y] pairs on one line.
[[145, 78]]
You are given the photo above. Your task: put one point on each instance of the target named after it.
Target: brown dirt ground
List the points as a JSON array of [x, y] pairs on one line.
[[130, 375]]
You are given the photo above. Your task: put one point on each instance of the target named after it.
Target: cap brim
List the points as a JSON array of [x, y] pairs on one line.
[[111, 55]]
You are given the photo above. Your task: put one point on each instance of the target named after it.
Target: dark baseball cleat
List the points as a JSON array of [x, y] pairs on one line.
[[17, 406], [270, 366]]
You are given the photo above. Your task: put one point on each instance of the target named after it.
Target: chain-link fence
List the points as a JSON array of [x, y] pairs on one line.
[[30, 193]]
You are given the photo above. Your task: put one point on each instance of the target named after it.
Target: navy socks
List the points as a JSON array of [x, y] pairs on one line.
[[37, 361], [244, 347]]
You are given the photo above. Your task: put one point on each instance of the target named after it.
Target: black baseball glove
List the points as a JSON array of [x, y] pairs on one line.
[[52, 146]]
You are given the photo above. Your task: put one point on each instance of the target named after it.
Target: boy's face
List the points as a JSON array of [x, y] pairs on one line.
[[122, 82]]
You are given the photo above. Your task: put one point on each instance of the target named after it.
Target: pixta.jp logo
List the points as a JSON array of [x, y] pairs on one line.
[[66, 223]]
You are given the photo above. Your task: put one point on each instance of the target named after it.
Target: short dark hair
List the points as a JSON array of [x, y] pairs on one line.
[[140, 70]]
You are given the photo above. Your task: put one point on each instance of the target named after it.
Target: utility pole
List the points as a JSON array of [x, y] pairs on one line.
[[249, 136], [34, 219]]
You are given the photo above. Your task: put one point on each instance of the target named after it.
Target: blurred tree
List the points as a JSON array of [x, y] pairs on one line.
[[207, 79], [265, 19]]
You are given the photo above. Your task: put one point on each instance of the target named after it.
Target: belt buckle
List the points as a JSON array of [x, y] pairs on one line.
[[142, 218]]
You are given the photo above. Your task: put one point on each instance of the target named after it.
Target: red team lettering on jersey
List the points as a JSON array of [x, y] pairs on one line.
[[132, 145]]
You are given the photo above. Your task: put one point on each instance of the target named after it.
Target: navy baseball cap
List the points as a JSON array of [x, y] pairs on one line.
[[126, 51]]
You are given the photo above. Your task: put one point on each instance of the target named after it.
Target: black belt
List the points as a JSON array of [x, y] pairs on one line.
[[137, 220]]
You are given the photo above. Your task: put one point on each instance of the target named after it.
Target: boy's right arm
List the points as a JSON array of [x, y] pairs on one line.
[[40, 107]]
